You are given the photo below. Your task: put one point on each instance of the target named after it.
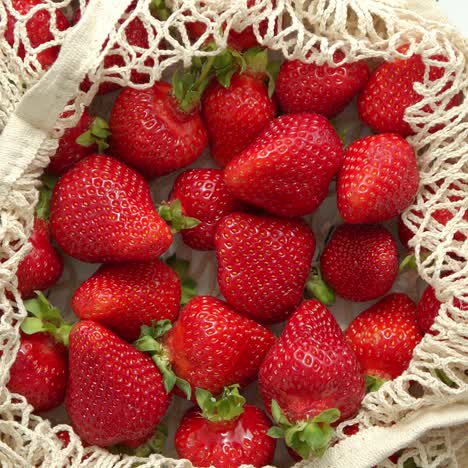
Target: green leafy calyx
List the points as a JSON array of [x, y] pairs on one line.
[[156, 444], [148, 343], [45, 194], [318, 288], [257, 62], [97, 134], [187, 283], [44, 317], [311, 437], [160, 10], [226, 406], [373, 383], [171, 212]]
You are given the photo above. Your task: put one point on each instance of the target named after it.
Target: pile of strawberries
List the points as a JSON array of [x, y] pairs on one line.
[[144, 337]]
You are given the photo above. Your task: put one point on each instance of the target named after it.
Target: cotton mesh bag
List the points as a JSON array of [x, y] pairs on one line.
[[431, 425]]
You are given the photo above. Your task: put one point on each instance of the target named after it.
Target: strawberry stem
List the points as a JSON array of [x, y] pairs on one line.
[[318, 288], [97, 134], [373, 383], [45, 318], [148, 343], [409, 262], [441, 375], [311, 437], [226, 406], [188, 285], [45, 194], [171, 212]]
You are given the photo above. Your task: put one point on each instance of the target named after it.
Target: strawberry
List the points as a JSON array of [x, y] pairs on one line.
[[115, 393], [101, 211], [360, 262], [78, 142], [203, 195], [224, 432], [263, 264], [323, 89], [384, 337], [427, 310], [38, 30], [210, 346], [124, 296], [235, 115], [43, 266], [289, 166], [378, 179], [310, 379], [152, 133], [390, 91]]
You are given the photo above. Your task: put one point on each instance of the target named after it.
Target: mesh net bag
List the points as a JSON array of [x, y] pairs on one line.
[[35, 88]]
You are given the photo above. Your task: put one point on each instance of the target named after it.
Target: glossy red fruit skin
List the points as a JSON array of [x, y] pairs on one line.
[[38, 29], [40, 371], [263, 264], [234, 116], [378, 179], [226, 444], [43, 265], [311, 367], [115, 393], [204, 196], [427, 310], [211, 346], [384, 336], [102, 211], [124, 296], [389, 92], [360, 262], [152, 134], [69, 151], [322, 89], [288, 168]]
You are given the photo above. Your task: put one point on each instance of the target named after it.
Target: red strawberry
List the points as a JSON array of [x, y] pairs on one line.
[[263, 264], [288, 168], [378, 179], [78, 142], [224, 433], [360, 262], [152, 133], [389, 92], [101, 211], [427, 310], [38, 29], [384, 337], [323, 89], [40, 371], [210, 346], [234, 116], [204, 196], [125, 296], [115, 393], [310, 377], [43, 266]]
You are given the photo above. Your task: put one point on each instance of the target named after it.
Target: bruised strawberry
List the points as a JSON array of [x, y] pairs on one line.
[[323, 89], [360, 262], [125, 296], [152, 133], [378, 179], [102, 211], [263, 264], [289, 166]]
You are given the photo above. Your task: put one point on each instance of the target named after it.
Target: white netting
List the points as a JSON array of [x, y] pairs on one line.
[[310, 30]]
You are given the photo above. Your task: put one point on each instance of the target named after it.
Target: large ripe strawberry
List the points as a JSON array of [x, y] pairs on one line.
[[125, 296], [310, 379], [289, 166], [152, 133], [210, 346], [115, 393], [101, 211], [378, 179], [38, 30], [323, 89], [384, 337], [390, 91], [427, 310], [235, 115], [263, 264], [43, 266], [203, 196], [224, 432], [360, 262]]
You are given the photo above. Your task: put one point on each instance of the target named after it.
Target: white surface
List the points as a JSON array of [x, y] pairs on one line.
[[457, 13]]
